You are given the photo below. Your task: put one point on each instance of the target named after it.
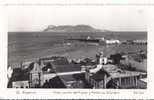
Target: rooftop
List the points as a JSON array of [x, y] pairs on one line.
[[75, 80], [144, 80], [116, 72], [56, 82], [21, 74], [99, 76], [67, 78], [56, 60], [66, 68]]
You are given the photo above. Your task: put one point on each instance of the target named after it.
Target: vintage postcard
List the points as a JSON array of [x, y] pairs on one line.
[[77, 49]]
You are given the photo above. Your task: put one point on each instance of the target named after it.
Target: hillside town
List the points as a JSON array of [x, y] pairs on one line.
[[100, 72]]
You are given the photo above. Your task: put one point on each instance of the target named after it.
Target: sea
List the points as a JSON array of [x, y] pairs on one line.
[[24, 46]]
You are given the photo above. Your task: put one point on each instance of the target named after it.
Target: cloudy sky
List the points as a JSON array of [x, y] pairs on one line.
[[37, 18]]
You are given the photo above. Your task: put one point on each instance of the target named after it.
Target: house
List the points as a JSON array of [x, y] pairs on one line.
[[142, 42], [26, 77], [112, 41], [110, 76], [98, 79], [116, 58], [19, 79], [20, 84], [26, 64], [35, 75], [123, 78], [72, 81]]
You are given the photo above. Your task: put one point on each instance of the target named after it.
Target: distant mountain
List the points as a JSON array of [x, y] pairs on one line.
[[71, 28]]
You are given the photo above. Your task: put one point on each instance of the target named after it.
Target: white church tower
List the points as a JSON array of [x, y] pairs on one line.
[[102, 59]]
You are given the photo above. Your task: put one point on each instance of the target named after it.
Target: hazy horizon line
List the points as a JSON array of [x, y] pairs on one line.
[[92, 26]]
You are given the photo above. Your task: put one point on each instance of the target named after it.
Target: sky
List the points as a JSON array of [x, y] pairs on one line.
[[116, 18]]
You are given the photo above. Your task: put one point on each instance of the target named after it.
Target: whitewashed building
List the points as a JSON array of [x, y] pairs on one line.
[[20, 84], [112, 41]]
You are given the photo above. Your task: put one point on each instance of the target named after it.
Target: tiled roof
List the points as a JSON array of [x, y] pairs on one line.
[[67, 78], [66, 68], [116, 72]]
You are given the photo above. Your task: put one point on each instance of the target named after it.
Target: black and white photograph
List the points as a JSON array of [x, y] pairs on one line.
[[77, 47]]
